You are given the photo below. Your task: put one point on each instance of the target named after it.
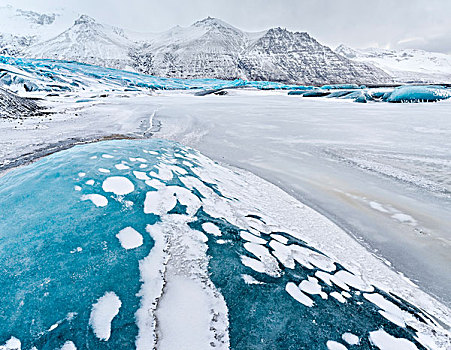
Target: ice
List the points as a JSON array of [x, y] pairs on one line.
[[97, 199], [118, 185], [384, 341], [130, 238], [103, 170], [90, 182], [103, 313]]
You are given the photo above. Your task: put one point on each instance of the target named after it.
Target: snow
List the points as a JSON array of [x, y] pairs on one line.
[[103, 170], [119, 185], [384, 341], [97, 199], [103, 313], [183, 316], [130, 238]]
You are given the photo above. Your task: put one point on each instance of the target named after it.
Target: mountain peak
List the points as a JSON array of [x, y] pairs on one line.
[[85, 19], [212, 22]]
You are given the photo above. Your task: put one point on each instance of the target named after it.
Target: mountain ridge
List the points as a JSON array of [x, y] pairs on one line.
[[209, 48]]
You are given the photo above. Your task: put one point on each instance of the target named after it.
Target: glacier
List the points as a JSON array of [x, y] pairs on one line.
[[71, 281]]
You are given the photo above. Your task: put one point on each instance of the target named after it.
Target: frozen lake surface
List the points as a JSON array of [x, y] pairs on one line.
[[149, 244], [381, 171]]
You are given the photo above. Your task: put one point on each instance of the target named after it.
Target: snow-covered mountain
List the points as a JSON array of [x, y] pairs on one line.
[[215, 49], [209, 48], [89, 42], [408, 65]]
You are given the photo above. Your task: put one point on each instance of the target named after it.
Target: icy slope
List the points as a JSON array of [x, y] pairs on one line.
[[404, 65]]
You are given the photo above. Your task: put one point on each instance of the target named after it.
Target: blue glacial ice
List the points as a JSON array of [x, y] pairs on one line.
[[55, 75], [81, 224], [418, 94]]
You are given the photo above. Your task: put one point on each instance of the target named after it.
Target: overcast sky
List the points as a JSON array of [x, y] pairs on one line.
[[424, 24]]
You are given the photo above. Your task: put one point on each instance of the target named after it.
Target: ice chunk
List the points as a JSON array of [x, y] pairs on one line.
[[141, 175], [130, 238], [102, 314], [119, 185]]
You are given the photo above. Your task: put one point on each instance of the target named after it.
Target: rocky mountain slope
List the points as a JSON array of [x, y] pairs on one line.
[[404, 65]]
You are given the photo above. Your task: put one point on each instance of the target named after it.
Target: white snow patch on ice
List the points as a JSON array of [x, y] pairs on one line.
[[298, 295], [12, 344], [385, 341], [102, 314], [97, 199], [119, 185], [90, 182], [107, 156], [251, 238], [130, 238], [250, 280], [121, 166], [77, 188], [69, 345], [333, 345], [140, 175], [81, 174], [211, 228], [103, 170], [350, 338]]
